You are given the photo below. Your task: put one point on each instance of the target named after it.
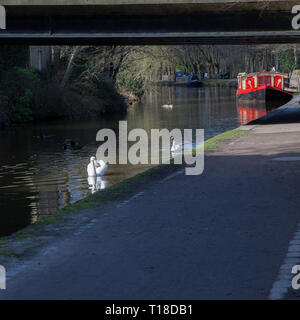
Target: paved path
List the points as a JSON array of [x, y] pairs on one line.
[[221, 235]]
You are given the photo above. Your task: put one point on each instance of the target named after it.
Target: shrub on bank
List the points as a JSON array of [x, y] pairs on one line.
[[94, 96], [27, 95], [18, 85], [134, 86]]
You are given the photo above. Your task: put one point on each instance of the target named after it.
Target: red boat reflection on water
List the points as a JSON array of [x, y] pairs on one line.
[[251, 110], [248, 114]]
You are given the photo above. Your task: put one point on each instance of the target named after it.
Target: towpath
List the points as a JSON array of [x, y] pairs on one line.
[[226, 234]]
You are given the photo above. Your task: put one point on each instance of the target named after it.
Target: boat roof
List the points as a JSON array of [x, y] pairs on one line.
[[264, 73]]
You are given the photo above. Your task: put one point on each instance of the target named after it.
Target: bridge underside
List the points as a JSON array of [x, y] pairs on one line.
[[238, 38], [196, 23]]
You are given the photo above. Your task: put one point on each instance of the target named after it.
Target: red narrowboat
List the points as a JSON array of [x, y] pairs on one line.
[[270, 87]]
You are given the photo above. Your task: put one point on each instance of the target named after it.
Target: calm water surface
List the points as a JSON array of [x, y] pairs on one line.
[[37, 176]]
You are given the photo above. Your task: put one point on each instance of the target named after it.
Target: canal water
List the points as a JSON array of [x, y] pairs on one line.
[[38, 177]]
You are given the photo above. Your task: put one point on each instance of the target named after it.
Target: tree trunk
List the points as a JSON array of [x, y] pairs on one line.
[[56, 57], [69, 70], [295, 57], [117, 68]]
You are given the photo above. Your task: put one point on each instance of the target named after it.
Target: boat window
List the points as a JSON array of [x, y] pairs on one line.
[[278, 82], [250, 83], [244, 84], [260, 81], [268, 80]]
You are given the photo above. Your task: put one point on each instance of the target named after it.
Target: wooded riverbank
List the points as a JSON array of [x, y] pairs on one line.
[[89, 81]]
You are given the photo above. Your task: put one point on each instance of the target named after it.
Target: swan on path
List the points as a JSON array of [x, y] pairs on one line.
[[96, 168]]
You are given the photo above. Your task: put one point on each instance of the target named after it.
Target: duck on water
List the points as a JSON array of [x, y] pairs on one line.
[[72, 145]]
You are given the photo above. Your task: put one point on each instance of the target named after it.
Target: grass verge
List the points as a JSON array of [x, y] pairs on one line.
[[214, 143], [129, 186], [116, 192]]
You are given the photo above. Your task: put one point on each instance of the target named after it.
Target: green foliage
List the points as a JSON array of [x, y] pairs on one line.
[[23, 110], [19, 85], [11, 56], [111, 100], [135, 85], [287, 61]]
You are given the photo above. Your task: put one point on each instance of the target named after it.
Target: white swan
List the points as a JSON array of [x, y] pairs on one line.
[[174, 147], [101, 167], [167, 106], [96, 168], [96, 184]]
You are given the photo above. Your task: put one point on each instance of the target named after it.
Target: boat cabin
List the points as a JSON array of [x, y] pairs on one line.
[[261, 80]]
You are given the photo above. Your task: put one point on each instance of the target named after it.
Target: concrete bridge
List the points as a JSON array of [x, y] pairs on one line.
[[149, 21]]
